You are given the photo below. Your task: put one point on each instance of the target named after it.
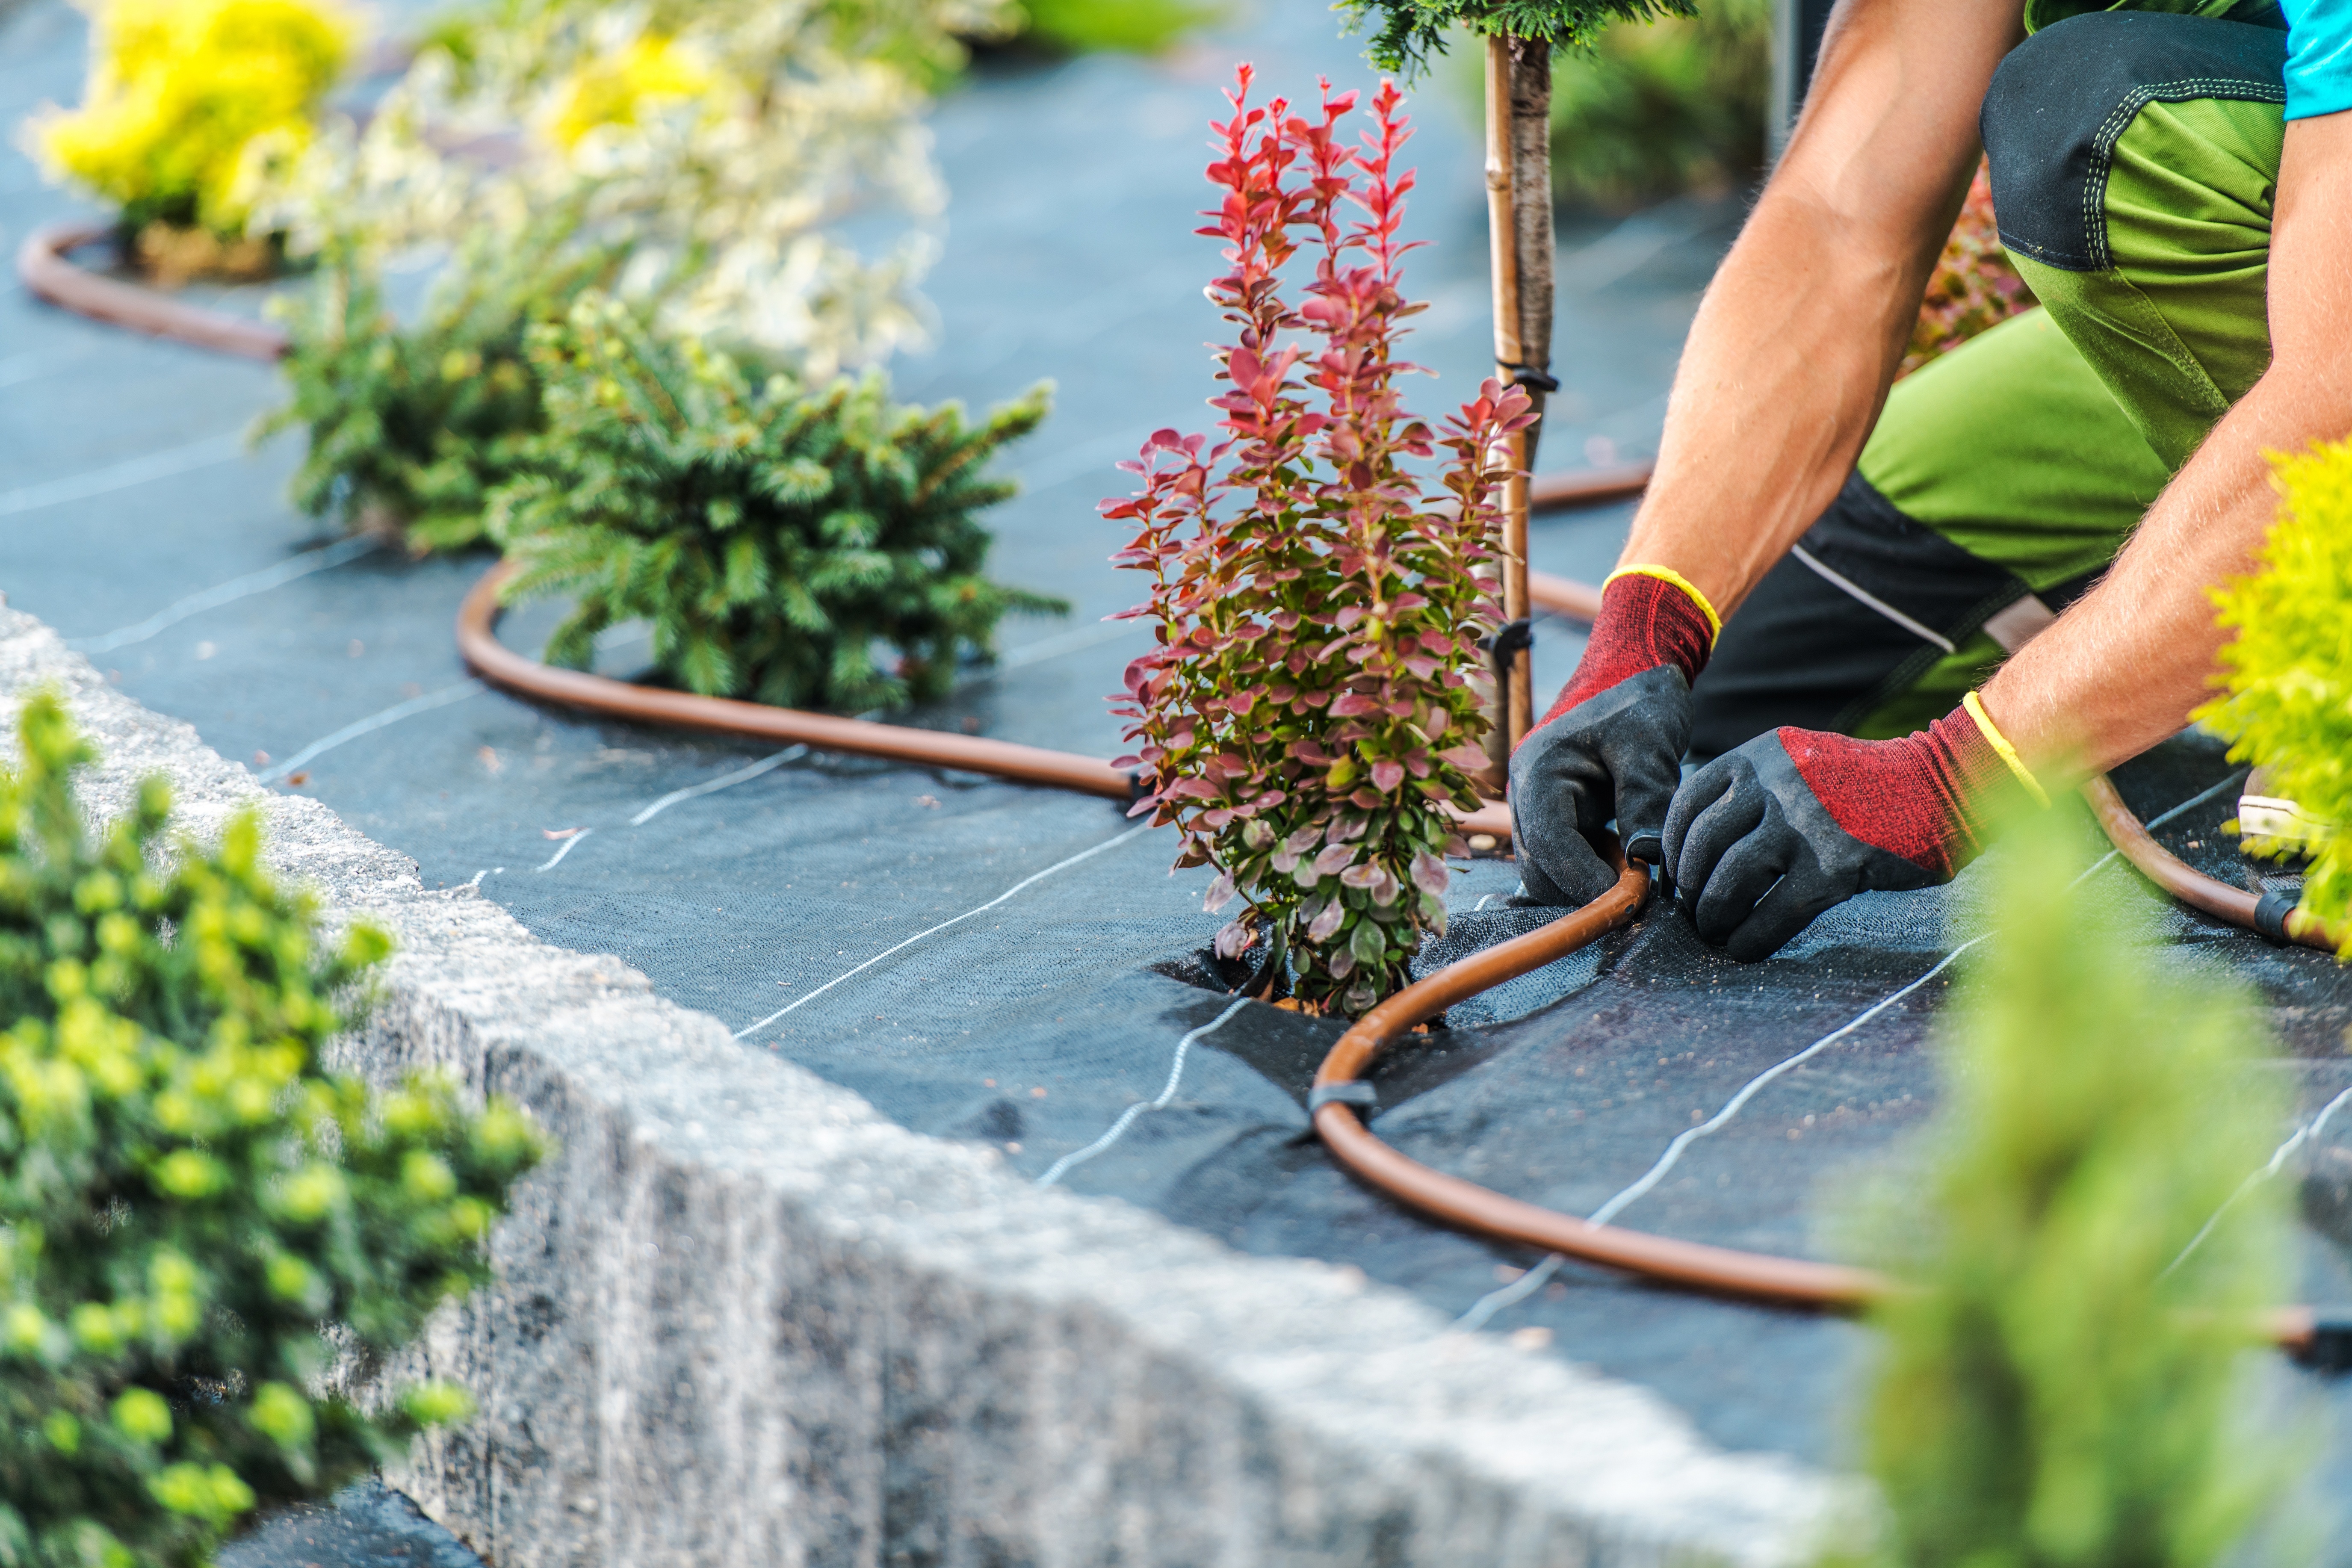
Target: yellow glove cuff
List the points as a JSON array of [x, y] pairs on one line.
[[1668, 575], [2008, 752]]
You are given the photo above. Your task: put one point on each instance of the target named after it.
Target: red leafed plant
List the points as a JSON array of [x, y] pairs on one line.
[[1314, 701]]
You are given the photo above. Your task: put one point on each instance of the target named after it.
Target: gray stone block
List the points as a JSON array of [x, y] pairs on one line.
[[744, 1319]]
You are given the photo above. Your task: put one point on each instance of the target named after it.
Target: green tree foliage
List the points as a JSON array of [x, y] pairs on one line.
[[1653, 109], [771, 535], [411, 428], [190, 1204], [1406, 33], [2287, 676], [2060, 1391]]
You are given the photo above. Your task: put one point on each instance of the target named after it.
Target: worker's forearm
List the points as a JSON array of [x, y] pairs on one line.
[[1779, 383], [2122, 668], [1800, 332]]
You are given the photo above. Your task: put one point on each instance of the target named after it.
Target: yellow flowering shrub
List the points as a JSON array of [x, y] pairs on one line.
[[185, 95], [2286, 678]]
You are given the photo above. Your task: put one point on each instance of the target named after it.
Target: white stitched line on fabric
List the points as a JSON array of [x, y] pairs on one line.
[[2303, 1134], [220, 593], [1858, 592], [375, 721], [790, 754], [1494, 1301], [565, 849], [1054, 646], [1024, 882], [1127, 1118], [122, 476], [2111, 131]]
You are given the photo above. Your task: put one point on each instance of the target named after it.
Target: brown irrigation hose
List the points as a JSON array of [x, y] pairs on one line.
[[1476, 1208], [43, 265], [501, 666], [477, 643], [2195, 888], [1718, 1270]]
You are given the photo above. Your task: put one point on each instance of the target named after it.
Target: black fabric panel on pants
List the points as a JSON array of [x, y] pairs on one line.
[[1802, 650], [2061, 100]]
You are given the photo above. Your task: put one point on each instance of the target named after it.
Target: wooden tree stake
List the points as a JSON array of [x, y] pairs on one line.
[[1518, 215]]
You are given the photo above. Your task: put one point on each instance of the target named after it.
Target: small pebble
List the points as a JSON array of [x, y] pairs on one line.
[[1533, 1338], [1482, 842]]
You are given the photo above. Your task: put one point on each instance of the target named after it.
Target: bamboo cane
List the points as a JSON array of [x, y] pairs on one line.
[[1520, 231]]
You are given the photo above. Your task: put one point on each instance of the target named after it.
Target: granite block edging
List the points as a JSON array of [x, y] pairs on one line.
[[742, 1318]]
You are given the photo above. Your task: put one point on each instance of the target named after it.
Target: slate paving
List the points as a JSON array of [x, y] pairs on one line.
[[1065, 253]]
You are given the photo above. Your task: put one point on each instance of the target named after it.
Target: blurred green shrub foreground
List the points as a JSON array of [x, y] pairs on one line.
[[2069, 1383], [204, 1234]]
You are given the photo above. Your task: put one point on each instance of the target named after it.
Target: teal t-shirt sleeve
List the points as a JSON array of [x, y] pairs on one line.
[[2318, 57]]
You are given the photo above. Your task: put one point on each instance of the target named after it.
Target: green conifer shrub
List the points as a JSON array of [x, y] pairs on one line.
[[2058, 1390], [773, 535], [189, 1204], [2287, 677], [411, 428]]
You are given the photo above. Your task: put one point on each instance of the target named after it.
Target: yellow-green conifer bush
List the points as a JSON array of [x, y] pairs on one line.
[[2287, 675], [2064, 1384], [189, 1204], [188, 103], [1653, 109]]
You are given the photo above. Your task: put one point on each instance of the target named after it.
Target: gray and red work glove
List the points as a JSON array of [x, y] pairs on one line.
[[1766, 837], [1612, 744]]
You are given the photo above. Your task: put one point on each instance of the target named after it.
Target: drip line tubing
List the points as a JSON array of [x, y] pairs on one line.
[[45, 266]]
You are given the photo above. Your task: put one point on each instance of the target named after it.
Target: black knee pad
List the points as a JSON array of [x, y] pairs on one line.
[[2061, 100]]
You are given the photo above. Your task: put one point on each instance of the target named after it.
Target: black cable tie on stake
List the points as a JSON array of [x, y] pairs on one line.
[[2270, 917], [2329, 1349], [1353, 1092], [1531, 378], [1511, 637]]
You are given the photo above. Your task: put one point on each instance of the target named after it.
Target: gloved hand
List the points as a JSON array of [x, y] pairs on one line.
[[1612, 744], [1766, 837]]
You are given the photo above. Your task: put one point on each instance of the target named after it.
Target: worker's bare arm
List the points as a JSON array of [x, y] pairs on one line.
[[1798, 336], [2121, 669]]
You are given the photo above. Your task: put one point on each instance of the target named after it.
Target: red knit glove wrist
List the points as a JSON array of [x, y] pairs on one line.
[[1931, 798], [1645, 621]]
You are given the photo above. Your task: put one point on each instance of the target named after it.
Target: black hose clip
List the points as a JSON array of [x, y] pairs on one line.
[[1533, 380], [2329, 1348], [2271, 913], [1353, 1092]]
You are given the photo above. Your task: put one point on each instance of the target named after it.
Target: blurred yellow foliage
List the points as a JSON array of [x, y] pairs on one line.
[[610, 91], [183, 95]]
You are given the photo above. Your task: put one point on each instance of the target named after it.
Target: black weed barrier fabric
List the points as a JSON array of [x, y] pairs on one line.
[[1013, 967]]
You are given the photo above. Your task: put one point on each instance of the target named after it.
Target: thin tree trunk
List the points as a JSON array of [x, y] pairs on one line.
[[1518, 212]]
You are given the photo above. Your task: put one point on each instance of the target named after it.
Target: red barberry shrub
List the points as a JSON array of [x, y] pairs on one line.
[[1313, 704]]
